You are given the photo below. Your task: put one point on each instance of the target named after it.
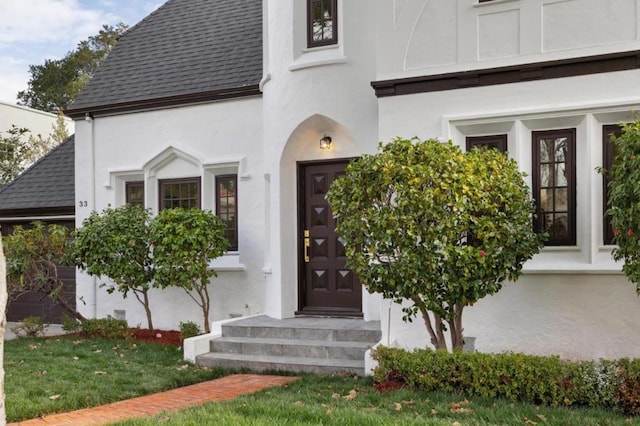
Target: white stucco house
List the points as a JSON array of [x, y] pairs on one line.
[[36, 121], [223, 104]]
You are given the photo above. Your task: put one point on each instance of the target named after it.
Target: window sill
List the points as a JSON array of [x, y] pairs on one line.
[[319, 56], [228, 262], [572, 269]]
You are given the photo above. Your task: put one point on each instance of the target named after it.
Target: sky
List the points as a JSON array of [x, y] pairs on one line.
[[34, 30]]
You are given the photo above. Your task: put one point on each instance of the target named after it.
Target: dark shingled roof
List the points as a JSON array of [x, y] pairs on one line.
[[47, 184], [184, 48]]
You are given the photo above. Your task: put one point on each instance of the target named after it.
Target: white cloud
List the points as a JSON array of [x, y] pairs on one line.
[[38, 21], [34, 30], [14, 78]]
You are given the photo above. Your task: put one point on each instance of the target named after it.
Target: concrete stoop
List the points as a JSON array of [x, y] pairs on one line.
[[300, 345]]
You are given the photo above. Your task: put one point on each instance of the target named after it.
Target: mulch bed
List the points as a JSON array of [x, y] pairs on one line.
[[164, 337]]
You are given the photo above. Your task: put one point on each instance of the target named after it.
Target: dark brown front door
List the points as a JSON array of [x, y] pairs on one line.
[[326, 286]]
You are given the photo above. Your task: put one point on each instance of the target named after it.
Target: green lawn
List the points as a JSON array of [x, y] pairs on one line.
[[353, 401], [62, 374]]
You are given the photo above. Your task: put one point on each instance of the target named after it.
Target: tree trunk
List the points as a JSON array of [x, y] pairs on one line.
[[68, 308], [3, 325], [205, 307], [144, 301], [437, 339], [457, 339]]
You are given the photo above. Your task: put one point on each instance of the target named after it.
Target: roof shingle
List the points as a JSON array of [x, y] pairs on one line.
[[185, 47], [48, 183]]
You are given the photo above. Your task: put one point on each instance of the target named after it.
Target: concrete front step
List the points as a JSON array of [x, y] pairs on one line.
[[291, 347], [302, 344], [325, 329], [280, 363]]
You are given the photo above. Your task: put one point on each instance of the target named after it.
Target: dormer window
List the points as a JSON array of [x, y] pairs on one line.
[[322, 22]]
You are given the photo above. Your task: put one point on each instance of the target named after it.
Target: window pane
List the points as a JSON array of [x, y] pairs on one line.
[[498, 142], [608, 155], [226, 207], [134, 193], [547, 149], [554, 184], [560, 149], [562, 202], [180, 193], [561, 175], [559, 227], [546, 200], [546, 175], [321, 22]]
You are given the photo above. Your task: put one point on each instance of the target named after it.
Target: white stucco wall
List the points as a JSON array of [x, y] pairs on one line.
[[309, 93], [37, 122], [564, 302], [421, 37], [571, 301], [195, 141]]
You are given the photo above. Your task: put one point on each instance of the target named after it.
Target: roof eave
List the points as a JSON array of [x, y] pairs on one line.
[[164, 102]]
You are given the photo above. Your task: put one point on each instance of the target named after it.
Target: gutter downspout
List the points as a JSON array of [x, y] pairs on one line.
[[89, 119]]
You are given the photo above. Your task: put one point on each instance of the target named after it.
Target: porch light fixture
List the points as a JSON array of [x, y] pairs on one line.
[[325, 143]]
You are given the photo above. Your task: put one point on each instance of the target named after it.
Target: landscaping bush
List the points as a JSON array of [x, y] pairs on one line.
[[515, 377], [109, 328], [189, 329], [30, 327], [627, 394], [71, 325]]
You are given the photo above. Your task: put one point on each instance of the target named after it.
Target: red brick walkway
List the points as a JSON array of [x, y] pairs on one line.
[[215, 390]]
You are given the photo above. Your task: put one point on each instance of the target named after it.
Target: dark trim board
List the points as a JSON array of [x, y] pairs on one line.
[[620, 61], [164, 102]]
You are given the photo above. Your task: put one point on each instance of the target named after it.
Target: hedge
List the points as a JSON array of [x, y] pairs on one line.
[[546, 380]]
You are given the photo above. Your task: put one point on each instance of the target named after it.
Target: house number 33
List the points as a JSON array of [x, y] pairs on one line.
[[83, 204]]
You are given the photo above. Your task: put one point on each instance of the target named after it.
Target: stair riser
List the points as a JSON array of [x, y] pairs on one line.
[[302, 333], [305, 351], [273, 366]]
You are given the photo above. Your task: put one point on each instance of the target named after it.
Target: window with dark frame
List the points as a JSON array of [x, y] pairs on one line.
[[227, 206], [322, 22], [608, 154], [554, 185], [134, 193], [183, 193], [498, 142]]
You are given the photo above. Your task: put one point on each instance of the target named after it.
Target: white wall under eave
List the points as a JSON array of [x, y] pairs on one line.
[[181, 142]]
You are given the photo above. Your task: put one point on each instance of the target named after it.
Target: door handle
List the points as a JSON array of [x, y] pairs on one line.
[[307, 245]]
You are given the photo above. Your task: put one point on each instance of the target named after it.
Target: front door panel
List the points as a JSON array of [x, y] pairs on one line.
[[327, 287]]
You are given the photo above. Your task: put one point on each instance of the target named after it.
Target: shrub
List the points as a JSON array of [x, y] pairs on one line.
[[426, 223], [189, 329], [71, 325], [30, 327], [628, 391], [546, 380], [109, 328]]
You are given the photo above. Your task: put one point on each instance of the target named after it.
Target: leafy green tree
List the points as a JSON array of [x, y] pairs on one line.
[[185, 241], [15, 153], [624, 200], [116, 244], [33, 258], [19, 149], [3, 324], [426, 223], [55, 84]]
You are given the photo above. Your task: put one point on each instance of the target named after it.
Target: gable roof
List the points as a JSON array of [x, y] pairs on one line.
[[186, 51], [49, 184]]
